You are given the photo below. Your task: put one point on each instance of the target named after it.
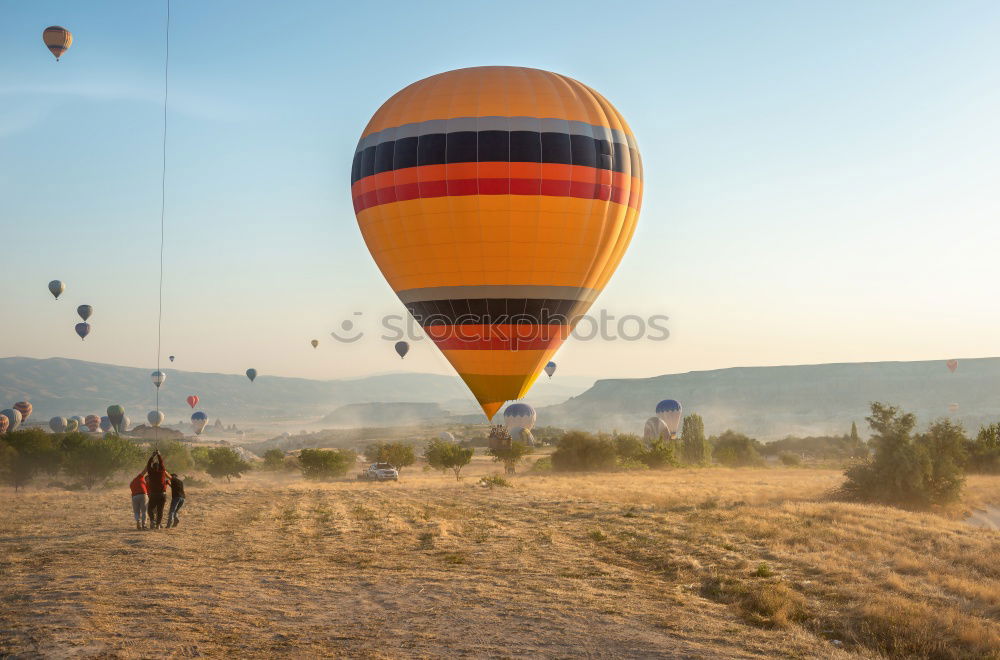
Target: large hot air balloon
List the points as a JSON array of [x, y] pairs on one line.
[[117, 415], [24, 408], [198, 422], [654, 429], [13, 418], [72, 426], [4, 423], [158, 378], [93, 423], [952, 365], [155, 418], [83, 329], [57, 39], [193, 400], [670, 412], [57, 424], [550, 369], [85, 311], [519, 416], [56, 288], [402, 348], [251, 374], [497, 202], [171, 358], [315, 343], [106, 424]]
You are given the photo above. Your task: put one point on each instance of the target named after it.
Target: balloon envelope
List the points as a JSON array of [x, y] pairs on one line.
[[106, 424], [13, 418], [497, 202], [447, 436], [158, 378], [116, 414], [4, 423], [654, 429], [952, 365], [198, 422], [192, 400], [251, 374], [57, 424], [92, 422], [315, 343], [550, 369], [72, 425], [24, 408], [57, 39], [669, 411], [85, 311], [155, 418], [83, 329], [56, 288], [519, 416], [402, 348], [171, 358]]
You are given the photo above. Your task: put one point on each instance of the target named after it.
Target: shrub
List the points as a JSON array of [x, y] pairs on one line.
[[200, 456], [176, 455], [629, 446], [578, 451], [25, 453], [325, 464], [695, 449], [906, 470], [224, 462], [443, 455], [737, 450], [94, 460], [399, 454], [495, 481], [660, 454], [505, 450], [543, 464], [984, 451], [274, 460], [788, 458], [629, 464]]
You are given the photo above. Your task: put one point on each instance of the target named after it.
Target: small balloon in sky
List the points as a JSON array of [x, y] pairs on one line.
[[251, 374], [952, 365], [192, 400], [402, 348], [158, 378], [57, 39], [315, 343], [155, 418], [550, 369], [171, 358], [82, 329], [56, 288]]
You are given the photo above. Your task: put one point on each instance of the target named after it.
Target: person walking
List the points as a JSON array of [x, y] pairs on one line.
[[138, 488], [176, 500], [156, 482]]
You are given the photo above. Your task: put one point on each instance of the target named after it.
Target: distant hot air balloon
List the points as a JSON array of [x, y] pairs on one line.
[[519, 416], [953, 408], [106, 424], [85, 311], [57, 424], [4, 423], [57, 39], [670, 412], [83, 329], [158, 378], [79, 420], [550, 369], [13, 418], [72, 426], [315, 343], [117, 415], [654, 429], [171, 358], [155, 418], [458, 176], [24, 408], [126, 424], [402, 348], [198, 422], [251, 374], [56, 288], [952, 365], [447, 436], [93, 423], [193, 400]]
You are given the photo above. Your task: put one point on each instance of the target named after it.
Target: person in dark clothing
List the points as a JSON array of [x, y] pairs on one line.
[[176, 500], [156, 483]]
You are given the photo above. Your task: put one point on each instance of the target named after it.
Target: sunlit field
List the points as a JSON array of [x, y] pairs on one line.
[[690, 562]]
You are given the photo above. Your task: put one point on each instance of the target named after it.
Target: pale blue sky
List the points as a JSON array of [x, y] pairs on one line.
[[821, 178]]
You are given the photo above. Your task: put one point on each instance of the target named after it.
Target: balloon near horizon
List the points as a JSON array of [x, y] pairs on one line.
[[497, 202]]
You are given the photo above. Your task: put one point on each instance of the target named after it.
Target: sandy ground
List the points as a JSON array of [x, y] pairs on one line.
[[428, 567]]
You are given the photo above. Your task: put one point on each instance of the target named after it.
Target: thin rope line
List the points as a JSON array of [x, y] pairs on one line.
[[163, 207]]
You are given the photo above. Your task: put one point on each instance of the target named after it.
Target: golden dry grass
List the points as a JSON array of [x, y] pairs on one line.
[[705, 563]]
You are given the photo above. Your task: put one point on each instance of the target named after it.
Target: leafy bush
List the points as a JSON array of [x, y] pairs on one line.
[[579, 451], [660, 454], [443, 455], [543, 464], [505, 450], [200, 456], [788, 458], [224, 462], [176, 455], [94, 460], [734, 449], [325, 464], [906, 470], [628, 464], [695, 449], [399, 454], [984, 451], [628, 446], [25, 453], [274, 460], [495, 481]]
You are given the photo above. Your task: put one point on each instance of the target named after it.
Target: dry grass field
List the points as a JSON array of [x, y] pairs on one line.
[[697, 563]]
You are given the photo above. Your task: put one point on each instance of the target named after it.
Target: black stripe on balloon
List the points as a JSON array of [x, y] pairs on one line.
[[495, 146], [496, 311]]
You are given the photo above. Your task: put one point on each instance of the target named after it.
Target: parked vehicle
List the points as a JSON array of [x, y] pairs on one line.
[[380, 472]]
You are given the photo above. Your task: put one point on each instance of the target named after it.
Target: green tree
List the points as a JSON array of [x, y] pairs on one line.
[[325, 464], [660, 454], [28, 452], [580, 451], [734, 449], [224, 462], [201, 458], [399, 454], [984, 451], [274, 459], [443, 455], [176, 455], [94, 460], [695, 449], [506, 450], [629, 446], [944, 443]]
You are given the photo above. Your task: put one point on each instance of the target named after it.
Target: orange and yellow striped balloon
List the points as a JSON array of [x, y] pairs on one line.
[[57, 39], [497, 201]]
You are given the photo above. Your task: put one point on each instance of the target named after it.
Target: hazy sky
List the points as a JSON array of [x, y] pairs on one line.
[[822, 179]]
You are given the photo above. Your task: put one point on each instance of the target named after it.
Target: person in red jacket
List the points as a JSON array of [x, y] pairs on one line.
[[138, 488], [156, 484]]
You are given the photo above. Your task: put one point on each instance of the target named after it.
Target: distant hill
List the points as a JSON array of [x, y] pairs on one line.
[[772, 402], [377, 414]]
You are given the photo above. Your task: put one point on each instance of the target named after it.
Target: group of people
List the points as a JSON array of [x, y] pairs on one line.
[[149, 494]]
